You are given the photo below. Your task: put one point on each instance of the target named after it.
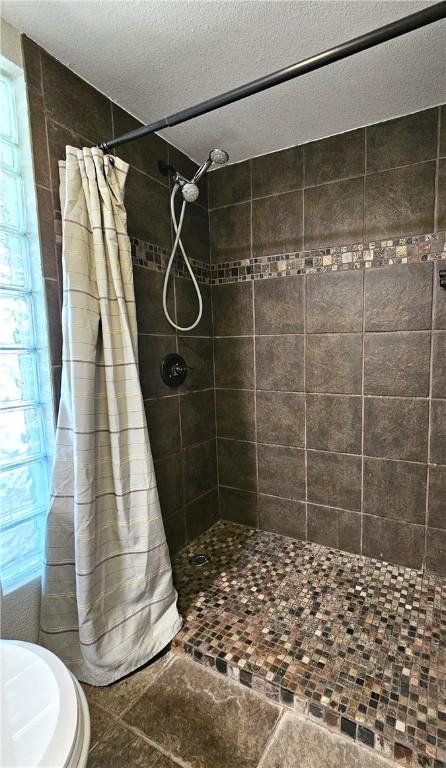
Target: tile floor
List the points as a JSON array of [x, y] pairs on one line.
[[176, 713], [354, 643]]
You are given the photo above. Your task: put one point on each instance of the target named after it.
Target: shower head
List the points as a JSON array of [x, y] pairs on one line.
[[218, 156]]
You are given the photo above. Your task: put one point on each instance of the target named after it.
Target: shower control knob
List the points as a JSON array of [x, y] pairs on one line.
[[174, 370]]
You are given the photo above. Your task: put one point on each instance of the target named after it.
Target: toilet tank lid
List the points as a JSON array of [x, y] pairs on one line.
[[39, 707]]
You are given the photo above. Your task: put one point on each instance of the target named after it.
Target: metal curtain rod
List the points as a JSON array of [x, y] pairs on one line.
[[388, 32]]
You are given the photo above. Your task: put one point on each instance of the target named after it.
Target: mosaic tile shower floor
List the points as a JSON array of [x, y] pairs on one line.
[[354, 642]]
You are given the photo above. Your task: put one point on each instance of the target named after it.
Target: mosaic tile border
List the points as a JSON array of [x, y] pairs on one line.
[[156, 258], [356, 643], [402, 250]]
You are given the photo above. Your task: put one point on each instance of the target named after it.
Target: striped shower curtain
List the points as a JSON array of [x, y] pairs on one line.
[[108, 601]]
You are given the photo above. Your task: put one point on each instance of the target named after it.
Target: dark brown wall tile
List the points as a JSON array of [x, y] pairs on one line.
[[195, 232], [396, 428], [439, 314], [279, 305], [436, 551], [441, 205], [143, 195], [53, 310], [46, 233], [56, 381], [334, 214], [163, 423], [334, 479], [237, 464], [197, 417], [71, 101], [152, 351], [443, 131], [334, 363], [187, 307], [230, 230], [398, 298], [439, 364], [437, 497], [58, 138], [280, 363], [234, 363], [281, 418], [277, 172], [334, 423], [143, 154], [393, 541], [175, 528], [233, 309], [229, 185], [397, 363], [148, 286], [334, 302], [281, 471], [438, 432], [335, 528], [400, 202], [336, 157], [235, 414], [238, 506], [39, 143], [201, 514], [169, 478], [199, 469], [277, 224], [197, 352], [32, 63], [405, 140], [282, 516], [395, 489]]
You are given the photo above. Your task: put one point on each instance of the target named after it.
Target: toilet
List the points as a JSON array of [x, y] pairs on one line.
[[45, 721]]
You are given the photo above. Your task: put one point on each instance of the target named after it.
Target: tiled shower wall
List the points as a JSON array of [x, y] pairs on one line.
[[331, 385], [66, 110]]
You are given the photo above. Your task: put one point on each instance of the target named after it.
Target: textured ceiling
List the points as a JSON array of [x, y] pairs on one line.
[[155, 58]]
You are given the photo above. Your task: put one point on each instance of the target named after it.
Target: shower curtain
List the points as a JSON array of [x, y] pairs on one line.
[[108, 601]]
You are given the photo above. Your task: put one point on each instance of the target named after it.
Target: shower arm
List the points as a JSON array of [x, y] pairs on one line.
[[381, 35]]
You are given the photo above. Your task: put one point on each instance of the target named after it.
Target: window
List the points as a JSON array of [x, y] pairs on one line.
[[25, 396]]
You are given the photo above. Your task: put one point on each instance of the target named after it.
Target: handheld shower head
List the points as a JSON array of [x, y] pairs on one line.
[[218, 156]]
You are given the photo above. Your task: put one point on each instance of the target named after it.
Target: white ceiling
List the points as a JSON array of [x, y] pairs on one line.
[[155, 58]]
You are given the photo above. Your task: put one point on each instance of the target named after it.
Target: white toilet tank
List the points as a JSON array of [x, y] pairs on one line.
[[44, 714]]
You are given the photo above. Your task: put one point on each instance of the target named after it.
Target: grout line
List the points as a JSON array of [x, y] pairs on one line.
[[305, 406], [437, 173], [271, 738], [429, 423], [253, 310], [361, 543], [137, 732]]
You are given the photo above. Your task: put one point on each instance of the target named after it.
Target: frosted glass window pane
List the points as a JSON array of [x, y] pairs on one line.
[[23, 490], [15, 321], [18, 377], [7, 154], [20, 435], [21, 549], [13, 272], [7, 119], [11, 200]]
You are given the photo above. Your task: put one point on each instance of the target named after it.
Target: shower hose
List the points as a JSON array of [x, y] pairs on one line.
[[177, 242]]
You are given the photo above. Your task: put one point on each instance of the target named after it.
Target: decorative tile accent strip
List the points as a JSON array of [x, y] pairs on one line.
[[156, 258], [356, 643], [403, 250]]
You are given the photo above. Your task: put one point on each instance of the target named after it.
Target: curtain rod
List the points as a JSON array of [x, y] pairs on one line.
[[381, 35]]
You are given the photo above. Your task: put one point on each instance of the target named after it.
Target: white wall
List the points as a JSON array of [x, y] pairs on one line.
[[19, 610]]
